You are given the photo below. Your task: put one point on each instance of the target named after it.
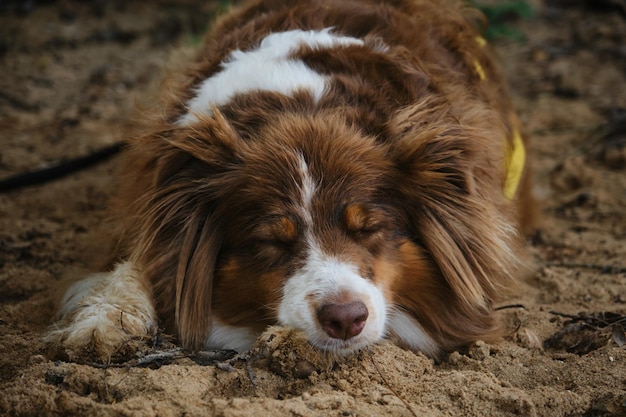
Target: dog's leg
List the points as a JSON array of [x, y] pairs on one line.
[[101, 314]]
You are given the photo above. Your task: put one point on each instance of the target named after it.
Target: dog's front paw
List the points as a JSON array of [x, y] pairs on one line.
[[99, 331], [288, 353], [105, 317]]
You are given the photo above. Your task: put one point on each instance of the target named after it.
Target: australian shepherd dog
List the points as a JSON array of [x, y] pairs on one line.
[[349, 168]]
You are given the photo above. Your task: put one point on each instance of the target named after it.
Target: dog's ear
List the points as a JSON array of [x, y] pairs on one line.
[[449, 184], [180, 175]]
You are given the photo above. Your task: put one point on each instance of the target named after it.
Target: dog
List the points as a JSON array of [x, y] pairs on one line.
[[351, 169]]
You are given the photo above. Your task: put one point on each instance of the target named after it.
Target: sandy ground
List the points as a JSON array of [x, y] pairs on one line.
[[71, 73]]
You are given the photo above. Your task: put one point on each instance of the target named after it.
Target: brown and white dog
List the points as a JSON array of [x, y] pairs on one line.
[[352, 169]]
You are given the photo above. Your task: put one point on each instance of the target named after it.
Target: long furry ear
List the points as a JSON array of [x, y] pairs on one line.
[[178, 177], [450, 177], [194, 280]]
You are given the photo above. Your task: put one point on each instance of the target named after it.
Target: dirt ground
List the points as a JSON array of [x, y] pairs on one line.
[[70, 74]]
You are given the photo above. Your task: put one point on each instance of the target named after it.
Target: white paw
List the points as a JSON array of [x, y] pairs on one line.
[[103, 316]]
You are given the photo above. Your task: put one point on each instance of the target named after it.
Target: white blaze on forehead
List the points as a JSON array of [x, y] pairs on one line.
[[270, 67], [307, 191]]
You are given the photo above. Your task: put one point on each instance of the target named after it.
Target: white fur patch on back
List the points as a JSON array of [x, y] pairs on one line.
[[270, 67]]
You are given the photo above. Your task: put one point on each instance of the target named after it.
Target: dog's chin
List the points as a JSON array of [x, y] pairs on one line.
[[339, 347]]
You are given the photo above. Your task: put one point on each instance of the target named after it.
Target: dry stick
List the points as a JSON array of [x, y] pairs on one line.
[[169, 355], [568, 316], [108, 399], [596, 321], [246, 357], [146, 360], [59, 170], [388, 385], [508, 306], [605, 269], [106, 386], [250, 370], [126, 375], [122, 320]]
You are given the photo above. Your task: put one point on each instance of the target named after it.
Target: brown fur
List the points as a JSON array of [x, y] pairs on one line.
[[410, 143]]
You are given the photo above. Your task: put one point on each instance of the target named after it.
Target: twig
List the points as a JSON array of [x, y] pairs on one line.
[[583, 333], [598, 320], [60, 169], [389, 387], [202, 358], [567, 316], [106, 387], [250, 370], [604, 269], [522, 306], [143, 361]]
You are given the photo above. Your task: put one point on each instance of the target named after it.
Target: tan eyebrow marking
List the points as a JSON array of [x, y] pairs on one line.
[[357, 217], [282, 229]]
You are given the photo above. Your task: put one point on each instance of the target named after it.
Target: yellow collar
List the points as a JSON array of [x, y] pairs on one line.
[[515, 165], [516, 154]]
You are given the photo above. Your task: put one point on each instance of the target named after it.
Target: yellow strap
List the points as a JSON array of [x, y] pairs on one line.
[[477, 67], [516, 157], [479, 70], [515, 165]]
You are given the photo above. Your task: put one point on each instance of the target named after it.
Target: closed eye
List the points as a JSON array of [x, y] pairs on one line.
[[265, 254], [277, 231], [362, 221]]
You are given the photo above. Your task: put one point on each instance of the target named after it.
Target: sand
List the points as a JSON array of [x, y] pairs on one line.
[[70, 75]]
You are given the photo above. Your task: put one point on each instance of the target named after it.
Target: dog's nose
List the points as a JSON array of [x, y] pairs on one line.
[[343, 321]]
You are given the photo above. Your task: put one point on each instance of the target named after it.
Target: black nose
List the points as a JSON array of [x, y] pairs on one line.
[[343, 321]]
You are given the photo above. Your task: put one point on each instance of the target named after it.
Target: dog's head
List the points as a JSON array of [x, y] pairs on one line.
[[311, 223]]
